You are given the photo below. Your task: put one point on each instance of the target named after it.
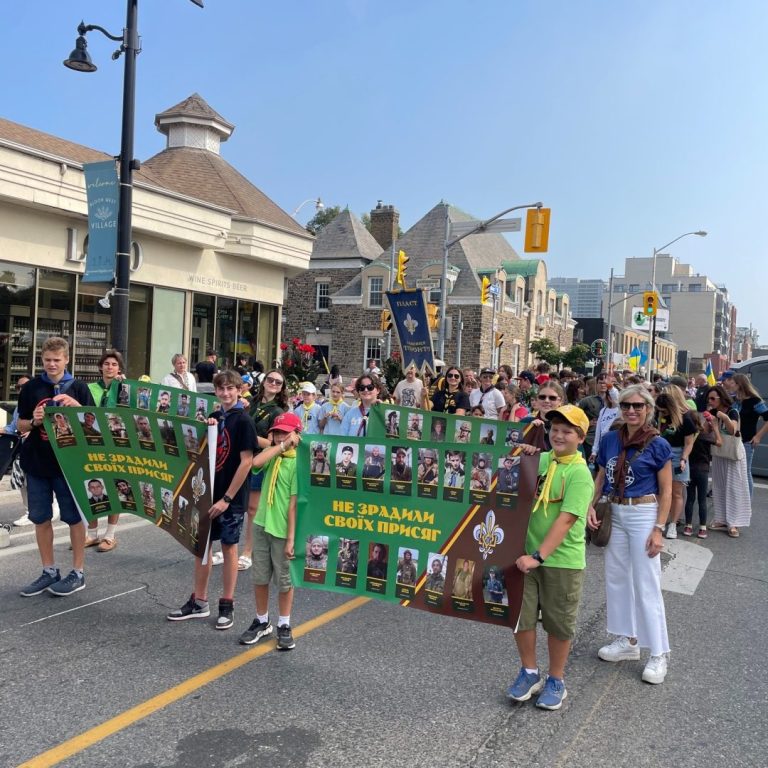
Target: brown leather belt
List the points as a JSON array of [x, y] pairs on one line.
[[648, 499]]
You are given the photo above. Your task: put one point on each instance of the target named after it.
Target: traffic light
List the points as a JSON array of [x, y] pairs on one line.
[[650, 303], [433, 314], [537, 230], [485, 290], [402, 268], [498, 339], [386, 320]]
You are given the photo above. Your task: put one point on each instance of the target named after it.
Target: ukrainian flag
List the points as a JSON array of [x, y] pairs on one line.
[[634, 360], [709, 373]]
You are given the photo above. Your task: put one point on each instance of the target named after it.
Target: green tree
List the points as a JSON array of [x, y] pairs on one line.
[[322, 218], [576, 356], [546, 350]]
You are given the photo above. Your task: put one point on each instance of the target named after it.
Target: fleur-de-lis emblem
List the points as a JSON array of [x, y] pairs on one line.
[[103, 213], [488, 535], [410, 324], [198, 485]]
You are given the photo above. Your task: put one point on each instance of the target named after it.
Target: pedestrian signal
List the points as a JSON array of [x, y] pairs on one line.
[[402, 268], [485, 290], [537, 230], [650, 303], [386, 320]]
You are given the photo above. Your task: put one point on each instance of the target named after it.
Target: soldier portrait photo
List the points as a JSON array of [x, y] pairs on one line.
[[346, 561], [438, 565], [317, 553], [407, 566]]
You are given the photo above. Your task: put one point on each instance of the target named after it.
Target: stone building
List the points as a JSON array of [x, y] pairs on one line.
[[346, 324]]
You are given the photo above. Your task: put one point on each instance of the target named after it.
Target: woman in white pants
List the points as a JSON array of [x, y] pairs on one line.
[[635, 472]]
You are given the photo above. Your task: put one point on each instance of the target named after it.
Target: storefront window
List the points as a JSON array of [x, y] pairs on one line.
[[168, 326], [267, 345], [248, 331], [92, 332], [225, 332], [17, 293], [203, 326], [139, 330], [55, 307]]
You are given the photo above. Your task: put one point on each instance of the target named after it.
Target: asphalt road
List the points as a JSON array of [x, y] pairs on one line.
[[101, 678]]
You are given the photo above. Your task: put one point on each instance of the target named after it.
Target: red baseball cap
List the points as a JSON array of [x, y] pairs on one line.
[[286, 422]]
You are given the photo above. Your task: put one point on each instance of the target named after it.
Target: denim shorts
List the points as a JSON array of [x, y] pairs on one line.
[[677, 475], [228, 526], [256, 481], [40, 492], [269, 560]]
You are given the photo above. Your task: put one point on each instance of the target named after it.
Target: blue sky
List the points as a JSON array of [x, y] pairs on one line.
[[633, 121]]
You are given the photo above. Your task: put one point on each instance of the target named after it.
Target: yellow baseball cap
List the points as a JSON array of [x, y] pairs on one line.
[[573, 415]]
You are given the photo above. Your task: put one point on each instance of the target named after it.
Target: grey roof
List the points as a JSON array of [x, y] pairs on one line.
[[345, 238], [423, 243], [193, 106]]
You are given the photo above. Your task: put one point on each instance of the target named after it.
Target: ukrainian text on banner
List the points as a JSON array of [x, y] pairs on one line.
[[436, 528], [394, 421], [155, 466], [101, 187], [166, 400], [409, 316]]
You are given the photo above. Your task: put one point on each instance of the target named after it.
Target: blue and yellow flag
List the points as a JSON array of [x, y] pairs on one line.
[[711, 380]]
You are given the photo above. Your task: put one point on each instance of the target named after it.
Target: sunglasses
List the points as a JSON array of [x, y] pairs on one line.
[[551, 398], [366, 388], [452, 376], [634, 406], [273, 380]]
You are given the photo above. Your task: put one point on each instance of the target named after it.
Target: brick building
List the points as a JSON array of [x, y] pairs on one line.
[[338, 304]]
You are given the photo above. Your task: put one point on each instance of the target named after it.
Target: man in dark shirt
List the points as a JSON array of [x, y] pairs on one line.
[[54, 387], [206, 369]]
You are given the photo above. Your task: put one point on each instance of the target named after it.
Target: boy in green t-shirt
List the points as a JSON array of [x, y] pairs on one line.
[[554, 571], [274, 530]]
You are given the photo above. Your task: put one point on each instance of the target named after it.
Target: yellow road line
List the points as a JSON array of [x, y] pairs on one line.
[[122, 721]]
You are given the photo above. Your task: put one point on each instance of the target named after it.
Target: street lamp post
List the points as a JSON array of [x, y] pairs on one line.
[[318, 206], [80, 61], [449, 242], [652, 324]]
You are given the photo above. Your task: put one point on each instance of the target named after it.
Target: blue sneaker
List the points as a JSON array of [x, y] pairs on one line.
[[40, 584], [70, 584], [553, 694], [526, 684]]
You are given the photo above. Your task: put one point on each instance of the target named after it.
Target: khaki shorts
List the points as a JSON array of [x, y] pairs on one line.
[[269, 560], [557, 592]]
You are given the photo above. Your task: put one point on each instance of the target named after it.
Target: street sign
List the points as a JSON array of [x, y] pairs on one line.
[[428, 282], [599, 347], [642, 322], [494, 289], [459, 228]]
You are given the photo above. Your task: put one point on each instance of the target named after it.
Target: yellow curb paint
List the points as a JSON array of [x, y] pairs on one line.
[[122, 721]]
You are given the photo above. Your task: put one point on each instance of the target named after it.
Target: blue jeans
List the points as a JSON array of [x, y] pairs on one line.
[[749, 449], [697, 489], [40, 492]]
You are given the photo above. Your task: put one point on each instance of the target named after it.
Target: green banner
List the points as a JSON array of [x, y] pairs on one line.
[[152, 465], [435, 527], [172, 401]]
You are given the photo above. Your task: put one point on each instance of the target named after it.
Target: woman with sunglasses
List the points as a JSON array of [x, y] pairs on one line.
[[549, 397], [678, 427], [730, 487], [355, 421], [450, 396], [270, 400], [635, 473], [751, 410]]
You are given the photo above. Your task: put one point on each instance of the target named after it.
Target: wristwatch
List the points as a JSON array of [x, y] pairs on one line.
[[537, 556], [226, 498]]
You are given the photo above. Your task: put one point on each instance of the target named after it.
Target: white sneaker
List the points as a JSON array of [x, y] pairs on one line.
[[56, 513], [671, 532], [23, 520], [217, 558], [620, 650], [656, 669]]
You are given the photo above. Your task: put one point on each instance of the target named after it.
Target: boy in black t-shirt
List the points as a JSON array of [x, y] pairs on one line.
[[235, 447], [54, 387]]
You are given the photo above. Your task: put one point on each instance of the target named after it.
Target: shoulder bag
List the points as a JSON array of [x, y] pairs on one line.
[[602, 535]]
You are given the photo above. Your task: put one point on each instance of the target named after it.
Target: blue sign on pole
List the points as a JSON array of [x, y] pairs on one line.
[[409, 317], [102, 190]]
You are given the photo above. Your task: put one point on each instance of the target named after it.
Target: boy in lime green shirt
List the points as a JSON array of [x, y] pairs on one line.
[[554, 569], [274, 530]]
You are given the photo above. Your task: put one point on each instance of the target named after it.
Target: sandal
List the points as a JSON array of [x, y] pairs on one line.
[[244, 563], [702, 534], [718, 527], [733, 533], [688, 530]]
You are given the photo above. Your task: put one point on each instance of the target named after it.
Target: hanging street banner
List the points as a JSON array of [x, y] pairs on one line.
[[434, 527], [409, 317], [102, 190], [169, 400], [153, 465]]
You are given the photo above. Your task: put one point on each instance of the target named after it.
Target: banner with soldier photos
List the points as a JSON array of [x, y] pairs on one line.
[[171, 401], [153, 465], [433, 526], [434, 427]]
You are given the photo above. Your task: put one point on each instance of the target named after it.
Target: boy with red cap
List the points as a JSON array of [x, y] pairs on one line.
[[235, 446], [274, 530]]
